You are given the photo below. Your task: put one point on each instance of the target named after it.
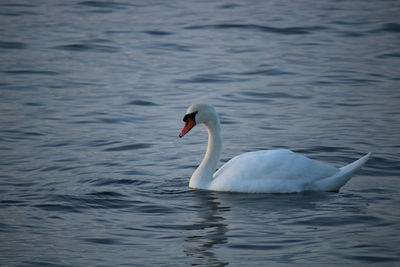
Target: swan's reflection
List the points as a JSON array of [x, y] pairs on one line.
[[208, 230]]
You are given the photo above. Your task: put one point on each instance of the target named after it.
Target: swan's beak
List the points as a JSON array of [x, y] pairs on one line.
[[189, 124]]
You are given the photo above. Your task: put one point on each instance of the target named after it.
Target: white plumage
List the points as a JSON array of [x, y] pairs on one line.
[[264, 171]]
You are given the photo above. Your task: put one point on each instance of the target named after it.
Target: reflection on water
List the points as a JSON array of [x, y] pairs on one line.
[[202, 242], [210, 225]]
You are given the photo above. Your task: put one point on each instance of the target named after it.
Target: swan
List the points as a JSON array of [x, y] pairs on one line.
[[263, 171]]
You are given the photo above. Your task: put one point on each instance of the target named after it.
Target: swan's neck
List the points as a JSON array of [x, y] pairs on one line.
[[203, 175]]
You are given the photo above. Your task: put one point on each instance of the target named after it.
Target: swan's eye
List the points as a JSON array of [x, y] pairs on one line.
[[190, 116]]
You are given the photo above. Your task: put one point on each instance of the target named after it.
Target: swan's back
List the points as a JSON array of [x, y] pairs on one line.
[[270, 171]]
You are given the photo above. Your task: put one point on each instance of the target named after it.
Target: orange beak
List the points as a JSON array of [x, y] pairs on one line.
[[189, 124]]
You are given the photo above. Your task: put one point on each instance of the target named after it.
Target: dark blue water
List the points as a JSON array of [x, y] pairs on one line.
[[92, 93]]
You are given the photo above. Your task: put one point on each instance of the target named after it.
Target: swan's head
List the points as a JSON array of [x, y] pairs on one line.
[[198, 113]]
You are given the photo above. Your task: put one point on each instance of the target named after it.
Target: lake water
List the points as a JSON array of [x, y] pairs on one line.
[[92, 95]]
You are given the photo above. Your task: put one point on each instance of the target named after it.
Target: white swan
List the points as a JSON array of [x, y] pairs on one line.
[[264, 171]]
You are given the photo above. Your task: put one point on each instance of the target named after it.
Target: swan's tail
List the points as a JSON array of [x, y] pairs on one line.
[[335, 182]]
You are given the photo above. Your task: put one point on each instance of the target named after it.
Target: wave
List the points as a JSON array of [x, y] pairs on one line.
[[87, 47], [255, 27], [13, 45], [129, 147], [388, 27]]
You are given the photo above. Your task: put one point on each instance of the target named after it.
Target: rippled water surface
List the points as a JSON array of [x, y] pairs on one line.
[[92, 93]]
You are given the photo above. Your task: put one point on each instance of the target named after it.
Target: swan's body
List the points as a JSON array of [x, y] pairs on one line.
[[264, 171]]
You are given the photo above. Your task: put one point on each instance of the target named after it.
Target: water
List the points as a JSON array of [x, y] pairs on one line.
[[92, 94]]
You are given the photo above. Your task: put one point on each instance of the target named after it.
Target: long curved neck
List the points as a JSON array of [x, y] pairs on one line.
[[203, 175]]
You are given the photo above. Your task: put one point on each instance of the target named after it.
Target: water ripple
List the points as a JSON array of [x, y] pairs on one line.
[[176, 47], [13, 45], [229, 6], [388, 27], [103, 241], [58, 207], [274, 95], [96, 200], [129, 147], [268, 72], [370, 259], [142, 103], [158, 33], [267, 29], [210, 78], [87, 47], [31, 72], [105, 4], [108, 181], [255, 247], [389, 55], [337, 220]]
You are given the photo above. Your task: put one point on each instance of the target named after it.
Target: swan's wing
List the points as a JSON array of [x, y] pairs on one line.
[[270, 170]]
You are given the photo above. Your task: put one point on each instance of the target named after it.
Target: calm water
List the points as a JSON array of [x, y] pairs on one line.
[[92, 93]]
